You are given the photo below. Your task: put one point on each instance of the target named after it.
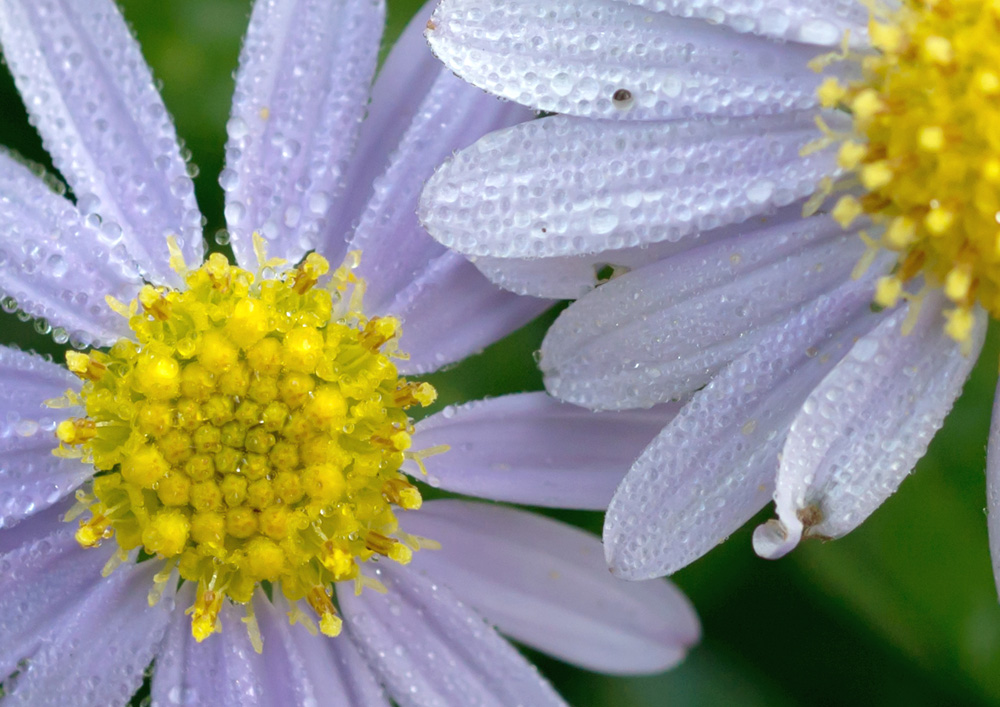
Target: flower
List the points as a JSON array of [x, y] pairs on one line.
[[784, 214], [245, 428]]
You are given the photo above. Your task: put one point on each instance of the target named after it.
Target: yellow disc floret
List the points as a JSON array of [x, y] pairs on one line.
[[926, 150], [253, 431]]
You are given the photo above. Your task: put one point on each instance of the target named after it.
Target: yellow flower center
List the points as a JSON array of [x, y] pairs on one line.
[[926, 149], [252, 433]]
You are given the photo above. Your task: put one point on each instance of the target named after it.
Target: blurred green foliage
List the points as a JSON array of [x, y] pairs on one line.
[[902, 611]]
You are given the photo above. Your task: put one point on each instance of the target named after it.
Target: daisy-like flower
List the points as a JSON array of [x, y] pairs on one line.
[[237, 435], [784, 213]]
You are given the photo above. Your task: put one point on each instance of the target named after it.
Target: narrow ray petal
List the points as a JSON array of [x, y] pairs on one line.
[[664, 330], [531, 449], [546, 584], [54, 264], [451, 311], [619, 60], [92, 97], [301, 92], [863, 428], [31, 477], [565, 186], [419, 626], [817, 22], [713, 467], [99, 649]]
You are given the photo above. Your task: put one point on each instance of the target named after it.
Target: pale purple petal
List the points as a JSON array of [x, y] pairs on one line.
[[713, 467], [565, 186], [531, 449], [396, 251], [818, 22], [92, 97], [301, 91], [451, 311], [222, 670], [993, 488], [37, 525], [430, 649], [573, 276], [31, 477], [664, 330], [99, 648], [44, 554], [400, 87], [863, 428], [572, 58], [313, 670], [546, 584], [56, 266]]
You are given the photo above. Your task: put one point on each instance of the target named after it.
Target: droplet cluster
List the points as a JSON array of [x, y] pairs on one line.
[[252, 431], [631, 60], [563, 186]]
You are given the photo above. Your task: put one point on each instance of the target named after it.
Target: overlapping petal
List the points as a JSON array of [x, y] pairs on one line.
[[667, 66], [92, 98], [863, 428], [666, 329], [564, 186], [713, 467]]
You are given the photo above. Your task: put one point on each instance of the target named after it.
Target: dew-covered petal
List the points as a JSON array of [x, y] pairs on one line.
[[97, 647], [54, 265], [431, 649], [713, 467], [31, 477], [451, 311], [820, 22], [301, 91], [565, 186], [396, 251], [92, 98], [993, 488], [529, 448], [664, 330], [401, 85], [222, 670], [546, 584], [579, 57], [863, 428], [304, 669], [43, 554]]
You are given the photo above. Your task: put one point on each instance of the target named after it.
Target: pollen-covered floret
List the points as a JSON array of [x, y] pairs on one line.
[[252, 432], [925, 149]]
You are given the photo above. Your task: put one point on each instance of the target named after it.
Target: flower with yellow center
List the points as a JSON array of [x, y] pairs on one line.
[[252, 430], [788, 212], [238, 434]]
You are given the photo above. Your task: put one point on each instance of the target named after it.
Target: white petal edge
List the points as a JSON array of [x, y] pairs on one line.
[[865, 426]]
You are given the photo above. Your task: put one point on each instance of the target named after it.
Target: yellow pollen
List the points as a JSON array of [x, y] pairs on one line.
[[253, 431], [926, 150]]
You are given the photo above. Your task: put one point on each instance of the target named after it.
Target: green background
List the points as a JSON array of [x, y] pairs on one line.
[[902, 610]]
